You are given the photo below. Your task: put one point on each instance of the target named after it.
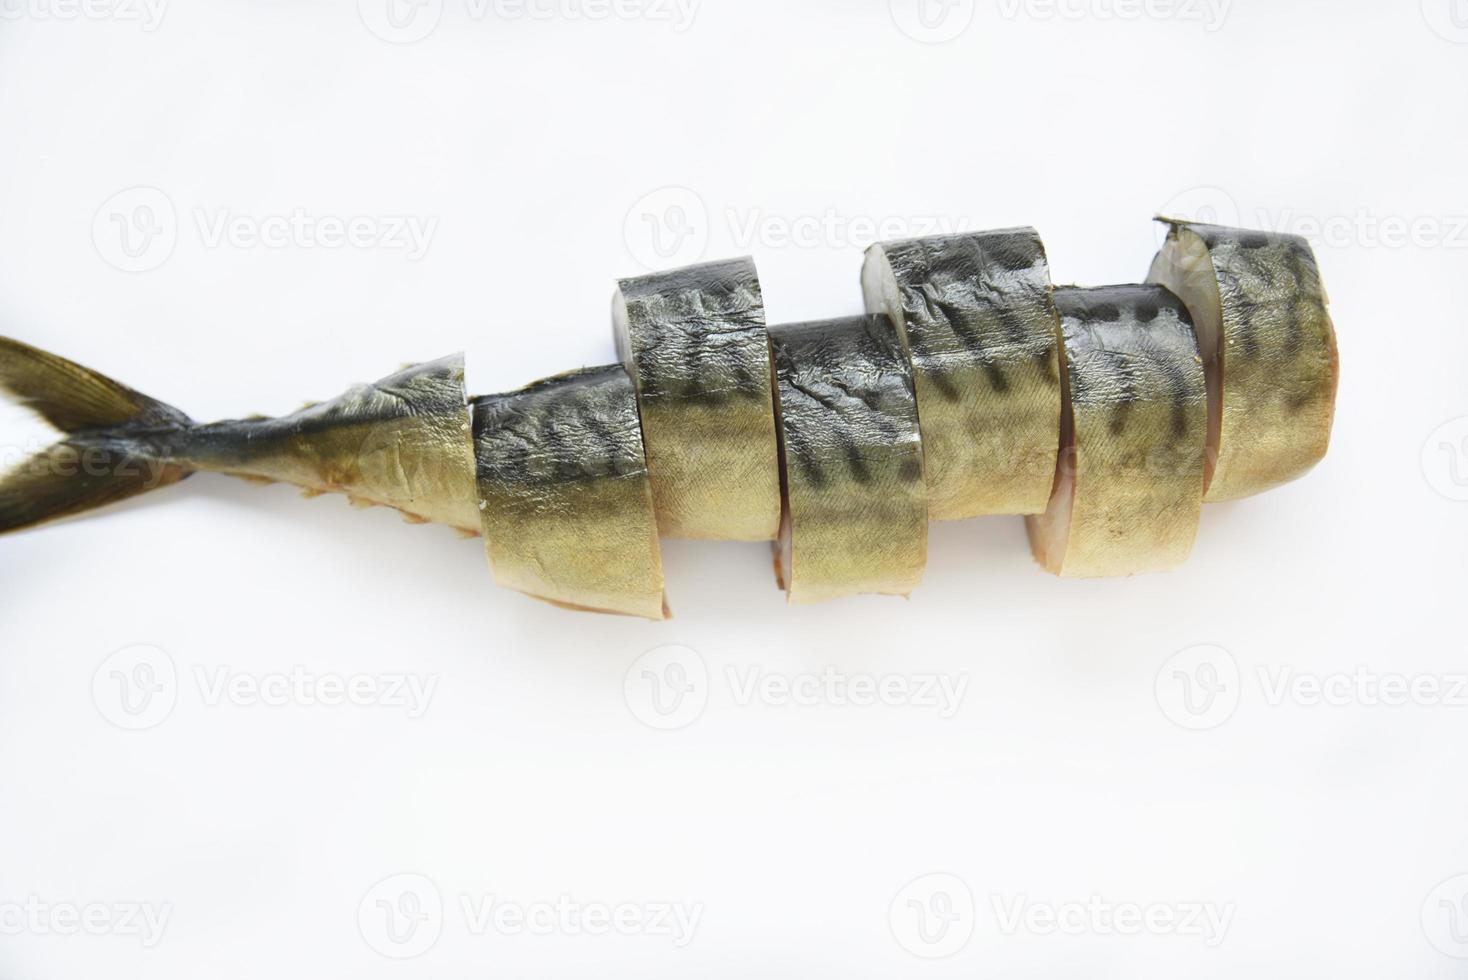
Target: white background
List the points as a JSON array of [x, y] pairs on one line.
[[543, 152]]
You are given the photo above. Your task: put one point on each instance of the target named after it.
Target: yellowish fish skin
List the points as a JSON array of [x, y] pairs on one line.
[[695, 343], [402, 442], [839, 438], [856, 513], [1267, 335], [1129, 490], [976, 316], [564, 494]]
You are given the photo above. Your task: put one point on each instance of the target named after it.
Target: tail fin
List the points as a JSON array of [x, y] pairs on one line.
[[111, 447]]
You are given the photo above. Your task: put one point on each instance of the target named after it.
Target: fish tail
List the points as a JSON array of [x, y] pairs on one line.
[[114, 441]]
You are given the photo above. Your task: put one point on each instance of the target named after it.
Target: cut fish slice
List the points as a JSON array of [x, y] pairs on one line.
[[564, 496], [975, 314], [855, 516], [1129, 486], [1269, 348], [695, 343]]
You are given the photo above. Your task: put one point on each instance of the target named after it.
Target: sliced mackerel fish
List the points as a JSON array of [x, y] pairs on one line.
[[976, 318], [1129, 483], [1268, 346]]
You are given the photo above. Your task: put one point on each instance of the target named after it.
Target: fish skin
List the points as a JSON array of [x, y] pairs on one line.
[[1129, 488], [695, 343], [401, 442], [975, 314], [1261, 305], [561, 478], [856, 511], [564, 495]]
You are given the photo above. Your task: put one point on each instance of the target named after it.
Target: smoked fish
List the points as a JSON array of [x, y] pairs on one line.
[[1269, 348], [971, 386]]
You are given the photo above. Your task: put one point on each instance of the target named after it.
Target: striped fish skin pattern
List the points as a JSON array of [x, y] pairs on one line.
[[1129, 488], [976, 316], [983, 391], [401, 442], [564, 494], [1270, 345], [695, 343], [856, 512]]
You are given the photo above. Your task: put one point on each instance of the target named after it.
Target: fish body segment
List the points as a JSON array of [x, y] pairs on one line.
[[975, 315], [695, 344], [564, 494], [1269, 347], [401, 442], [856, 511], [1129, 484]]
